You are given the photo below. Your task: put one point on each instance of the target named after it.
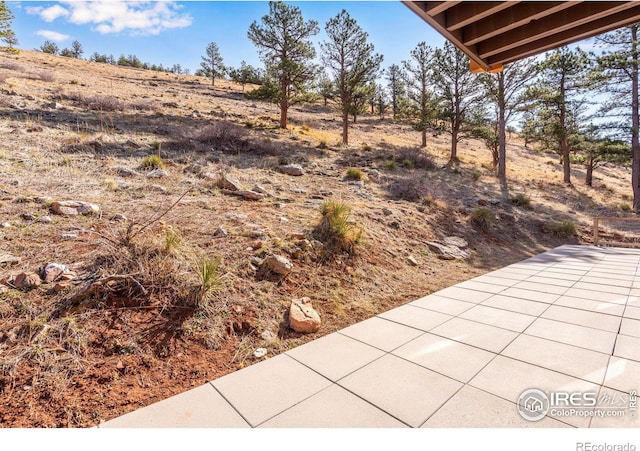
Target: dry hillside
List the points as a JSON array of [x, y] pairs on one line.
[[167, 286]]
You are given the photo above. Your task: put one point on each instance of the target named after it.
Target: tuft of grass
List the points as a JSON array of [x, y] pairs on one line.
[[354, 174], [521, 200], [336, 229], [482, 218], [172, 240], [152, 162], [322, 145], [624, 206], [565, 228], [409, 164], [367, 148], [476, 176], [207, 272], [390, 164]]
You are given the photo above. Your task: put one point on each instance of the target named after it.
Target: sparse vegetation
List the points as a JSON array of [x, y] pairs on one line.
[[521, 200], [482, 218], [152, 162], [354, 174], [565, 228], [336, 229]]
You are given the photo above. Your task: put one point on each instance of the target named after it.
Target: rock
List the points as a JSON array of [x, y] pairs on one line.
[[62, 286], [6, 225], [69, 236], [412, 261], [46, 219], [291, 169], [43, 199], [119, 217], [133, 144], [221, 232], [194, 168], [28, 216], [74, 207], [268, 336], [483, 202], [260, 189], [456, 241], [52, 271], [157, 174], [494, 201], [277, 264], [386, 211], [27, 281], [257, 244], [4, 289], [8, 259], [260, 353], [245, 194], [127, 172], [302, 316], [239, 217], [447, 252], [284, 219], [229, 182]]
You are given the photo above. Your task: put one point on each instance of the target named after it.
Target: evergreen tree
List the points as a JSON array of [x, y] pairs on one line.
[[283, 40], [620, 63], [49, 47], [457, 91], [10, 39], [351, 59], [77, 49], [396, 85], [212, 63], [421, 98], [6, 18]]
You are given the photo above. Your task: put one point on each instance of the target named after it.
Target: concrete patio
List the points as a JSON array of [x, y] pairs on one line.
[[567, 320]]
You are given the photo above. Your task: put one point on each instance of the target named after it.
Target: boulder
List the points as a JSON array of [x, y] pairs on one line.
[[456, 241], [53, 271], [277, 264], [74, 208], [27, 280], [228, 182], [447, 252], [302, 316], [291, 169], [245, 194], [8, 259]]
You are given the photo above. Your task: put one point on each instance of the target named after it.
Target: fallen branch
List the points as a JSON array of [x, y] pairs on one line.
[[94, 286]]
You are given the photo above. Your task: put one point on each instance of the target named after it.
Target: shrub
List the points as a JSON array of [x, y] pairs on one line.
[[152, 162], [390, 164], [409, 164], [482, 218], [411, 188], [354, 174], [564, 229], [45, 76], [367, 148], [336, 229], [624, 207], [322, 145], [476, 175], [207, 271], [419, 158], [521, 200]]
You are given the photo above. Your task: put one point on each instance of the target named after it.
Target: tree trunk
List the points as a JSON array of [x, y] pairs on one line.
[[502, 131], [635, 120], [345, 127], [213, 80], [453, 159], [284, 103], [424, 138], [588, 180], [564, 142]]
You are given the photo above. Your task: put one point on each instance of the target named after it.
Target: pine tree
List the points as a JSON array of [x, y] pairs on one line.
[[457, 90], [76, 49], [212, 62], [49, 47], [6, 18], [351, 59], [396, 86], [421, 97], [284, 42]]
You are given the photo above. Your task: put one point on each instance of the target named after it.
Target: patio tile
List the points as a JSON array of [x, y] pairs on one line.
[[583, 337], [201, 407], [609, 276], [630, 327], [561, 282], [592, 306], [481, 286], [416, 317], [334, 356], [613, 289], [502, 281], [511, 275], [407, 391], [265, 389], [623, 375], [333, 407], [606, 281], [595, 295], [530, 295], [482, 336], [448, 357], [508, 378], [504, 319], [632, 312], [572, 276], [634, 298], [615, 399], [560, 357], [473, 408], [463, 294], [381, 333], [442, 304], [516, 305], [540, 287], [601, 321], [628, 348]]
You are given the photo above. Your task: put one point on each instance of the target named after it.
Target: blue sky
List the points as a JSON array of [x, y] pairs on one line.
[[167, 32]]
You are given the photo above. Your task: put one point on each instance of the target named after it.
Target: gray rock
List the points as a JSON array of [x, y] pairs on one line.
[[277, 264], [245, 194], [46, 219], [8, 259], [260, 189], [291, 169], [456, 241], [127, 172], [221, 232], [74, 207], [229, 182], [259, 353], [412, 261], [267, 335], [157, 174], [69, 236], [386, 211], [447, 252], [52, 271]]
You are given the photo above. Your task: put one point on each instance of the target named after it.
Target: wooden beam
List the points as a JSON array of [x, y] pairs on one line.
[[470, 12], [435, 8], [565, 20], [568, 36], [510, 19]]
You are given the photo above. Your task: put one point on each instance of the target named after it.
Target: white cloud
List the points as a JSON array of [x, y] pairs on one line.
[[53, 35], [115, 16]]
